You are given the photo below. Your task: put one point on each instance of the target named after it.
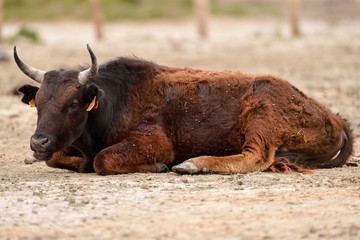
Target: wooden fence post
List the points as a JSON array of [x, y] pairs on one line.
[[97, 18], [202, 13], [1, 18], [294, 13]]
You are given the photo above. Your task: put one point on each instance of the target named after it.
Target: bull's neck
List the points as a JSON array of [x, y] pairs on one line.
[[99, 121]]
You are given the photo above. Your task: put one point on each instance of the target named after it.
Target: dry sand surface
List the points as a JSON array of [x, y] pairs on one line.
[[38, 202]]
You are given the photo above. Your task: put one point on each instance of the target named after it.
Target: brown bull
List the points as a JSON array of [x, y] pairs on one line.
[[130, 115]]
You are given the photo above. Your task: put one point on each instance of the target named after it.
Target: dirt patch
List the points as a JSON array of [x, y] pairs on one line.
[[38, 202]]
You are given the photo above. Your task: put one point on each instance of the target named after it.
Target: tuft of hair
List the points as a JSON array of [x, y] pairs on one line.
[[284, 165], [136, 58]]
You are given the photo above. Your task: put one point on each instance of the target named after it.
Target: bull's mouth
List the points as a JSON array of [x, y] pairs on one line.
[[43, 156]]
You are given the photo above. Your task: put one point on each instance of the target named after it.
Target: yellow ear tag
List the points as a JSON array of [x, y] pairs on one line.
[[93, 105], [32, 103]]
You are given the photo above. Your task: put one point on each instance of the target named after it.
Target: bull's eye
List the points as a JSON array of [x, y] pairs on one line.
[[74, 104]]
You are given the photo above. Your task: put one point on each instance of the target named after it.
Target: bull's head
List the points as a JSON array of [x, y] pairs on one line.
[[63, 101]]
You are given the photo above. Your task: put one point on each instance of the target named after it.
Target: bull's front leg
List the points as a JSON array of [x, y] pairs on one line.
[[70, 159], [137, 153]]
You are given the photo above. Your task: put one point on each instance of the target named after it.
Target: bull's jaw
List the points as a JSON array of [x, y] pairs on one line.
[[42, 156]]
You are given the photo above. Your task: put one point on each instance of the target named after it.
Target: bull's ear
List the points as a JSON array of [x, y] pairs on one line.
[[29, 94], [92, 95]]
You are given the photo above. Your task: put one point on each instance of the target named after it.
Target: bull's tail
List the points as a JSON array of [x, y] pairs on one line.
[[286, 162]]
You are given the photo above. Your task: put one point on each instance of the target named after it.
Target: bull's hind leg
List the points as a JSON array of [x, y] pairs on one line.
[[257, 154], [138, 153]]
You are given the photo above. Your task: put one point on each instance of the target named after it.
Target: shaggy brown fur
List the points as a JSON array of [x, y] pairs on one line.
[[196, 121]]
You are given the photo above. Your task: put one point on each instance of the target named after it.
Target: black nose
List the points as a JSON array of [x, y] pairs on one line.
[[39, 143]]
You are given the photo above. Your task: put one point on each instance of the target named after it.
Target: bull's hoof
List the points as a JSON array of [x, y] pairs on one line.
[[161, 168], [186, 168]]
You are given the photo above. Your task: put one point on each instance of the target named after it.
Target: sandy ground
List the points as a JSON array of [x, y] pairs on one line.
[[38, 202]]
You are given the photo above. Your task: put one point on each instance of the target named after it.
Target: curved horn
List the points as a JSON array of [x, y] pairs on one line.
[[35, 74], [86, 75]]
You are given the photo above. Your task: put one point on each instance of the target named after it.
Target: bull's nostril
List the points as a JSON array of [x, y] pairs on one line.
[[41, 142]]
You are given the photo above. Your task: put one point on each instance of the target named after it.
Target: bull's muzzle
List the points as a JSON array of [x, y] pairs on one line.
[[40, 145]]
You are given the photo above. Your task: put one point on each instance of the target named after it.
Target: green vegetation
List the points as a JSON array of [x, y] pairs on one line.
[[245, 8], [25, 33], [129, 9]]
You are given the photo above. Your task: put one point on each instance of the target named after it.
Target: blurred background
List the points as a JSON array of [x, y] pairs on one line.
[[102, 12], [314, 44]]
